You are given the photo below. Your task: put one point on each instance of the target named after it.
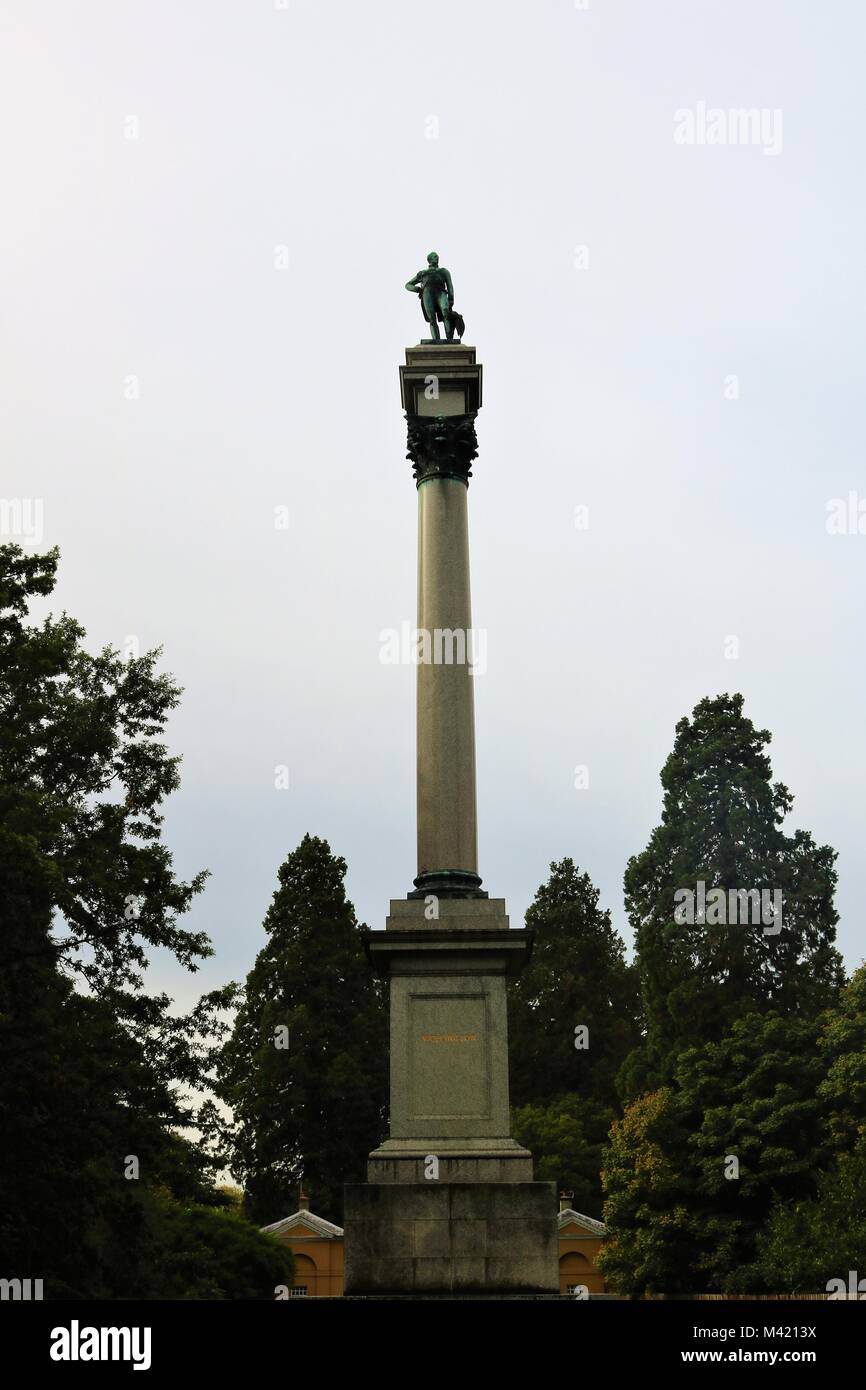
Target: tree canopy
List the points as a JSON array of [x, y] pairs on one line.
[[305, 1069], [110, 1142], [573, 1019], [721, 827]]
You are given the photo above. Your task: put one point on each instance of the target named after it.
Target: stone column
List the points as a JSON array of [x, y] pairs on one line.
[[450, 1205], [441, 392], [447, 836]]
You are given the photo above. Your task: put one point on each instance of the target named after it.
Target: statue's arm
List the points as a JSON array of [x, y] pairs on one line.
[[413, 283], [450, 287]]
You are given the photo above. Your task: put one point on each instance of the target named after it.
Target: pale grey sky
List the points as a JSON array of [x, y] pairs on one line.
[[156, 156]]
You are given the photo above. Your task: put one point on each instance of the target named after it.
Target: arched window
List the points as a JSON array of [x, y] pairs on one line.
[[575, 1272], [305, 1277]]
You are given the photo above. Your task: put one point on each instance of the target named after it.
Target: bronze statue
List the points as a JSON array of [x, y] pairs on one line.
[[436, 292]]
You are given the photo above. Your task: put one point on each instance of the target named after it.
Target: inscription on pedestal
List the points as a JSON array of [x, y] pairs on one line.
[[448, 1057], [449, 1037]]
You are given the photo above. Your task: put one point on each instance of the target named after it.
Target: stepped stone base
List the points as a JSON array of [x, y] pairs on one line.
[[451, 1170], [481, 1160], [451, 1238]]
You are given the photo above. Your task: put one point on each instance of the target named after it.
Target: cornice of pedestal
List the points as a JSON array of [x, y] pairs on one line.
[[442, 951], [457, 944]]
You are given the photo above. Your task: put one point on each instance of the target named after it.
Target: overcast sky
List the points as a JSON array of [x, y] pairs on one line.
[[209, 212]]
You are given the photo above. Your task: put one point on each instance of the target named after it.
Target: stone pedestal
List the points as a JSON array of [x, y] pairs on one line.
[[449, 1042], [450, 1204], [451, 1238]]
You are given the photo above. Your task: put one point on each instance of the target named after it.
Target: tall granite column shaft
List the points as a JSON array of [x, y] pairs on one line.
[[447, 835]]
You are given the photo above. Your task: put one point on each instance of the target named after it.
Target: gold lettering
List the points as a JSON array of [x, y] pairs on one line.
[[449, 1037]]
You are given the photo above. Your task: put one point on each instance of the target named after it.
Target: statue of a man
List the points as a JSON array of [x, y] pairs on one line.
[[437, 296]]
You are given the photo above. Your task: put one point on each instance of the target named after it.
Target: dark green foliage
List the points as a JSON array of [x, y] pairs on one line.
[[843, 1047], [92, 1075], [752, 1096], [317, 1106], [651, 1245], [805, 1244], [565, 1096], [721, 824], [213, 1253], [810, 1241], [577, 975], [567, 1140], [752, 1050], [678, 1223]]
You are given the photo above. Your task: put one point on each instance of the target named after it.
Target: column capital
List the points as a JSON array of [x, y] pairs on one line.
[[441, 446]]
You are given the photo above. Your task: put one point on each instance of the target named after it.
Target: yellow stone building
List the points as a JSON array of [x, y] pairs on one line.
[[317, 1246], [580, 1241]]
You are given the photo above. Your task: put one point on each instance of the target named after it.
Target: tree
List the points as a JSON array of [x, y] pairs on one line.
[[577, 979], [214, 1253], [96, 1072], [806, 1244], [650, 1245], [758, 1135], [843, 1046], [809, 1236], [721, 828], [572, 1019], [305, 1069], [567, 1140], [694, 1169]]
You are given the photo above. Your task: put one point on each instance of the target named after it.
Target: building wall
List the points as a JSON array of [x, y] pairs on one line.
[[578, 1260], [318, 1262]]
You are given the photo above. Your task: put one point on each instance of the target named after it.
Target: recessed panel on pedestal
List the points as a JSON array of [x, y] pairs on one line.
[[449, 1075]]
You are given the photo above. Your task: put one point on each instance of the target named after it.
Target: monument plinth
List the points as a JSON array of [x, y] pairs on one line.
[[450, 1205], [449, 1043]]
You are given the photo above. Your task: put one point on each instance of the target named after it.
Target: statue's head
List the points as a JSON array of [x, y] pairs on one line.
[[433, 258]]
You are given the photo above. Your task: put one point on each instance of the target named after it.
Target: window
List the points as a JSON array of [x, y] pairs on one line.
[[299, 1291]]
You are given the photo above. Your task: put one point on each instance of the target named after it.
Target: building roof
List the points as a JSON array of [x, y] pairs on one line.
[[317, 1224], [597, 1227]]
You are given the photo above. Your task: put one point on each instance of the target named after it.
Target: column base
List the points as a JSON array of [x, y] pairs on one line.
[[433, 1238], [467, 1161], [447, 883]]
